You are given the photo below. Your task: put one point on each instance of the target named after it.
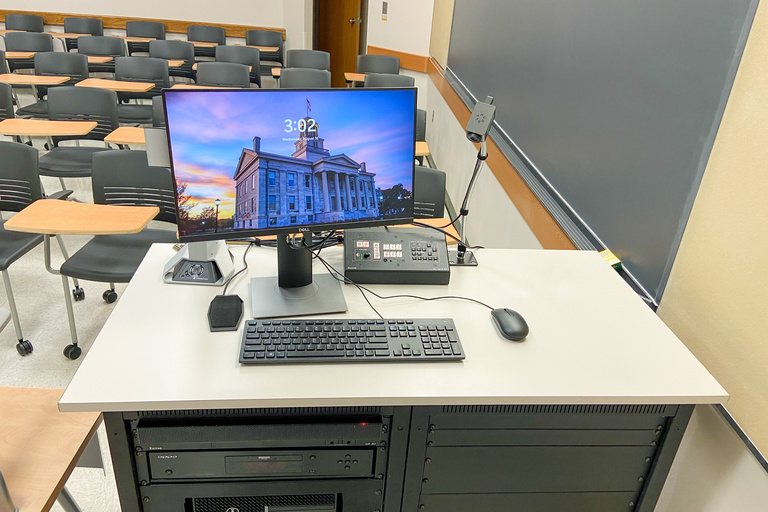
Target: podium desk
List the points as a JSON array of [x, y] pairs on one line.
[[587, 413]]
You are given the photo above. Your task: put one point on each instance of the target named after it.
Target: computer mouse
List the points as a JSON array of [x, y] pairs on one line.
[[510, 324]]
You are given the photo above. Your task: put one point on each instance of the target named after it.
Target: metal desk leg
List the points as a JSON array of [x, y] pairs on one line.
[[67, 502]]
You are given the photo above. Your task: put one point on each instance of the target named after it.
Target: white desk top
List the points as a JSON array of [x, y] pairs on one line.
[[592, 341]]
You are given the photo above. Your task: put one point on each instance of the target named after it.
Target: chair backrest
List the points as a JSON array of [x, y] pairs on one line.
[[125, 178], [3, 63], [387, 80], [153, 29], [168, 49], [62, 64], [241, 55], [145, 29], [73, 65], [206, 33], [19, 180], [92, 26], [28, 42], [158, 113], [101, 45], [26, 22], [314, 59], [267, 38], [227, 74], [143, 69], [6, 102], [378, 64], [84, 104], [428, 193], [421, 124], [298, 78]]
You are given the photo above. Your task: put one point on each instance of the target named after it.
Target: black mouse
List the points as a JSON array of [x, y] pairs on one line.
[[510, 324]]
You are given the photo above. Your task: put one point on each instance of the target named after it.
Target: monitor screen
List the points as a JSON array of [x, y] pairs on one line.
[[267, 161]]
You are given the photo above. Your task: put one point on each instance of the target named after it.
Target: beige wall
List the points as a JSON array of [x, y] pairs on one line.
[[254, 12], [407, 28], [716, 300]]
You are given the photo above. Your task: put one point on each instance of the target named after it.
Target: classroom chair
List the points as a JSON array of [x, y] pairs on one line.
[[206, 34], [271, 38], [387, 80], [313, 59], [153, 29], [223, 74], [25, 22], [378, 64], [428, 193], [26, 42], [104, 46], [140, 69], [73, 65], [92, 26], [176, 50], [299, 78], [242, 55]]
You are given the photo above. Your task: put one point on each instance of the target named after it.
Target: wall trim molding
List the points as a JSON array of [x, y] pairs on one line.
[[410, 61], [543, 225], [118, 22]]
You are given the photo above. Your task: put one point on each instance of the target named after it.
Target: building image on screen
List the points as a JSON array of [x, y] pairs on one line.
[[290, 160], [310, 186]]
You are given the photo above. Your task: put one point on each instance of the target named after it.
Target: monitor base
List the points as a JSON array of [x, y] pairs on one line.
[[322, 296]]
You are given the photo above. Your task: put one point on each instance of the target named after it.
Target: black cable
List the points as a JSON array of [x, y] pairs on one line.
[[245, 265], [363, 289], [446, 233], [344, 279]]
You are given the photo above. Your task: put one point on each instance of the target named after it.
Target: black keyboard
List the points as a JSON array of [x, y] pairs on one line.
[[350, 341]]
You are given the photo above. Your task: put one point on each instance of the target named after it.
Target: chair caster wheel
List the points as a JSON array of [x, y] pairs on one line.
[[72, 351], [109, 296], [24, 347], [78, 294]]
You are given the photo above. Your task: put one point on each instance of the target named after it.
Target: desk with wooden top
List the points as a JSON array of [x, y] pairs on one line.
[[39, 446], [56, 217], [45, 128], [19, 55], [126, 135], [352, 78], [32, 80], [269, 49], [116, 85]]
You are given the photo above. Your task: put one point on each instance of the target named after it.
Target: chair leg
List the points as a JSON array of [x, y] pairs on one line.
[[67, 502], [64, 253], [24, 347], [71, 351]]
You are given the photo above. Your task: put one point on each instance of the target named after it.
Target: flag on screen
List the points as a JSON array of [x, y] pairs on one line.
[[309, 106]]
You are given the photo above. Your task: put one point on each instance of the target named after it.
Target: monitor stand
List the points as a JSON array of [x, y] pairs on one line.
[[295, 291]]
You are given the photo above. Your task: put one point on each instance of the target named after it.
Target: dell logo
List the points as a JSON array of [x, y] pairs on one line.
[[304, 230], [233, 509]]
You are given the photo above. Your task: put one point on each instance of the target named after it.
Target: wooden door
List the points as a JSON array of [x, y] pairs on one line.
[[338, 32]]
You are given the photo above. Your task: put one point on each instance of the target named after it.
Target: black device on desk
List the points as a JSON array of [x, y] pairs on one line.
[[396, 256]]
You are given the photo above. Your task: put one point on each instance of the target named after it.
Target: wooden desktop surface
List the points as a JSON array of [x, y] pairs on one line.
[[19, 55], [26, 79], [99, 59], [57, 217], [260, 48], [354, 77], [39, 446], [44, 128], [116, 85], [133, 135]]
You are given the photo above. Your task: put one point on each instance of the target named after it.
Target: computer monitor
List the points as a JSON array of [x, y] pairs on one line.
[[256, 162]]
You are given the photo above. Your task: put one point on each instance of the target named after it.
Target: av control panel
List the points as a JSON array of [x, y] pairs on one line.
[[396, 256]]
